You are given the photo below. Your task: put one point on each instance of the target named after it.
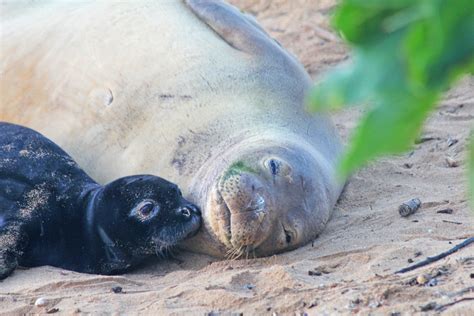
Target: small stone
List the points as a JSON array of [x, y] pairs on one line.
[[452, 141], [411, 282], [408, 165], [432, 282], [445, 211], [451, 163], [471, 275], [422, 279], [117, 289], [314, 273], [313, 304], [410, 260], [41, 302], [374, 304], [428, 307], [249, 286], [52, 310]]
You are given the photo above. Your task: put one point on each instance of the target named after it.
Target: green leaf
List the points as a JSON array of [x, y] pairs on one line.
[[405, 54], [387, 129]]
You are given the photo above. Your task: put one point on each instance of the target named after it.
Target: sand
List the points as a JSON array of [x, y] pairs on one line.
[[350, 268]]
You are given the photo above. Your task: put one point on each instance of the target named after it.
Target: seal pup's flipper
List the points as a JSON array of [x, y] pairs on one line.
[[236, 28], [13, 241]]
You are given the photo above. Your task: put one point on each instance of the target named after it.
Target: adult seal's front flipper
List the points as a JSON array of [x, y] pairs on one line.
[[236, 28]]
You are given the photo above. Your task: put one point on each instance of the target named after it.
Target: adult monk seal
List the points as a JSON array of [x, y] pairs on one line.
[[53, 213], [193, 90]]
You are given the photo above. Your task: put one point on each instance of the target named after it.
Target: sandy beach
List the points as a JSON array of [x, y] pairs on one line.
[[349, 268]]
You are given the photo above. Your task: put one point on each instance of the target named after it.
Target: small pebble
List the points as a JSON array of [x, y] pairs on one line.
[[314, 273], [41, 302], [422, 279], [249, 286], [452, 141], [445, 211], [52, 310], [432, 282], [428, 307], [374, 304], [117, 289], [451, 162]]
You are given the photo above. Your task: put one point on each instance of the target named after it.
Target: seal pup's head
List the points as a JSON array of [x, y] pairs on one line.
[[265, 195], [141, 215]]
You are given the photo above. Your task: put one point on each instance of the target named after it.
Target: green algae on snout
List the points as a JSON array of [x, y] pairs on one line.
[[237, 168]]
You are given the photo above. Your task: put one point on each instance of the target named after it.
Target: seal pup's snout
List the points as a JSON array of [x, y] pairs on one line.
[[190, 215], [188, 210]]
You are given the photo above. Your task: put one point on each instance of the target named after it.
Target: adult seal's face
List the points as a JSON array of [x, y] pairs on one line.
[[145, 214], [265, 195]]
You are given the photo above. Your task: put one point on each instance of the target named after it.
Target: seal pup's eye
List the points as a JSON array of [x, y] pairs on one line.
[[145, 210]]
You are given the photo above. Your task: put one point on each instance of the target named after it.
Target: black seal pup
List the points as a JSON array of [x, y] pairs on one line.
[[53, 213]]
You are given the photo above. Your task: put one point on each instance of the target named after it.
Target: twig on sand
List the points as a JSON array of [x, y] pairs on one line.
[[438, 257], [444, 306], [462, 292]]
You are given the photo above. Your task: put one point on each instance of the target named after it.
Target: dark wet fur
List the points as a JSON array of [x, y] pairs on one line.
[[53, 213]]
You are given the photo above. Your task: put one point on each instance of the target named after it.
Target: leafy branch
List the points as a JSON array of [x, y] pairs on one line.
[[405, 54]]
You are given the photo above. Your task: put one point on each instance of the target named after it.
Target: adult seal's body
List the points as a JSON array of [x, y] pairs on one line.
[[52, 213], [194, 90]]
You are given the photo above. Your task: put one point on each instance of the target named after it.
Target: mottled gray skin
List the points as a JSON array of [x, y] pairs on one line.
[[192, 90]]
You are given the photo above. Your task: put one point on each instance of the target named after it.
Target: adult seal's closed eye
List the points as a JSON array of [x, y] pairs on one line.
[[52, 213], [194, 90]]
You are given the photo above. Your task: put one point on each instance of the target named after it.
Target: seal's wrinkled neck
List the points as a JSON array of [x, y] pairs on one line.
[[89, 197]]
